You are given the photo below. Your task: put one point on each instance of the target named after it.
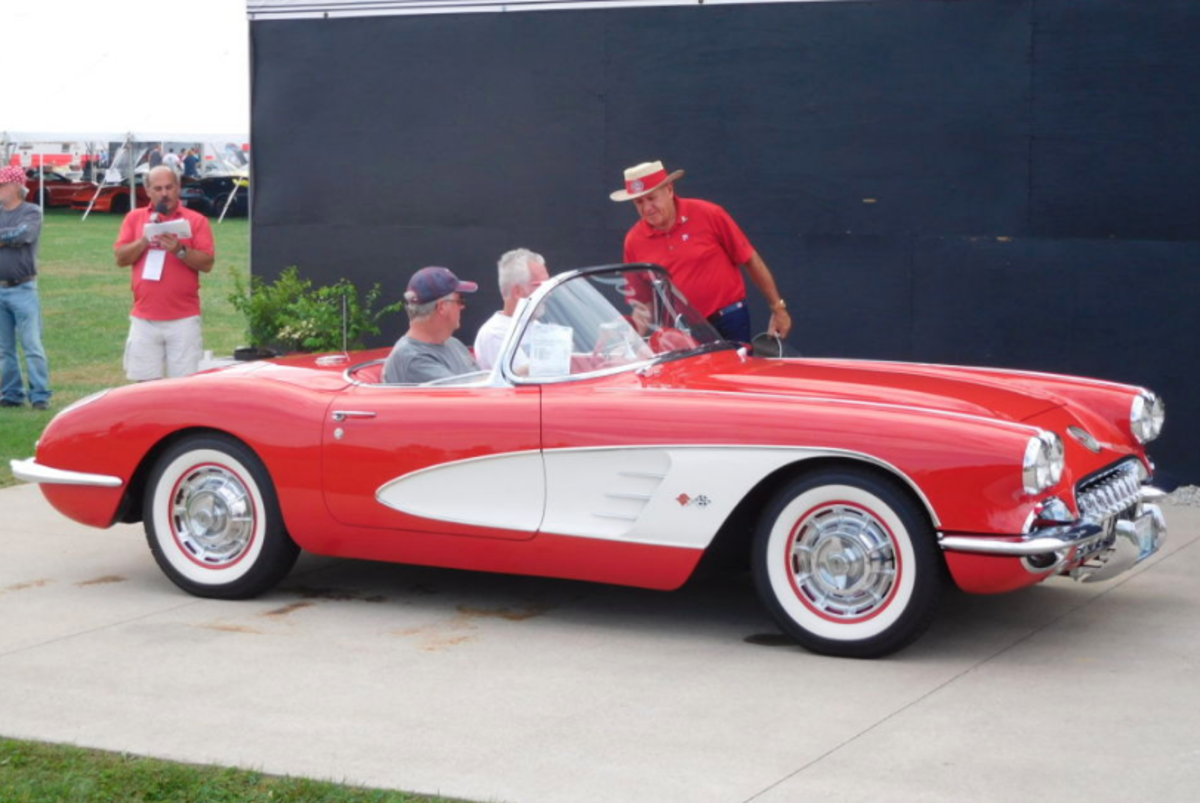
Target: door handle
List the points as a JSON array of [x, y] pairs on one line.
[[342, 415]]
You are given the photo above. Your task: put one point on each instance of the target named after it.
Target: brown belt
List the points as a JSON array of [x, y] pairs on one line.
[[17, 282]]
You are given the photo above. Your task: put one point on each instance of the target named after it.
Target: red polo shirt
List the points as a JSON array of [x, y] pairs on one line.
[[703, 251], [177, 294]]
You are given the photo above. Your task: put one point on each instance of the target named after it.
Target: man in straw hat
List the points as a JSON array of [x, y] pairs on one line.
[[702, 247]]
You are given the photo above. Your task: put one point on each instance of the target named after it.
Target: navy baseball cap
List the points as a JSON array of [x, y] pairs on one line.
[[432, 283]]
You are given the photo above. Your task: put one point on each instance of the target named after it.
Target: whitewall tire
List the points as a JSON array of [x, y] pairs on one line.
[[848, 564], [212, 520]]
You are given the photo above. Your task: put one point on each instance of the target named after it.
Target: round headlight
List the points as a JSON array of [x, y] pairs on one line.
[[1146, 416], [1043, 463]]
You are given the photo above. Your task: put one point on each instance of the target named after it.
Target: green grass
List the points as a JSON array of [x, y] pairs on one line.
[[85, 303], [85, 308], [38, 773]]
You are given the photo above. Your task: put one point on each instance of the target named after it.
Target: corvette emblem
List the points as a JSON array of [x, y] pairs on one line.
[[687, 501], [1084, 438], [637, 185]]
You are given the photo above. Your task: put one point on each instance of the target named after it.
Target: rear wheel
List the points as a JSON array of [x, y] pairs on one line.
[[213, 522], [120, 203], [848, 564]]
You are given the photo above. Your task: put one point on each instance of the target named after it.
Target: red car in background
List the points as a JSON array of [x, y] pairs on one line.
[[115, 198], [60, 188], [112, 198]]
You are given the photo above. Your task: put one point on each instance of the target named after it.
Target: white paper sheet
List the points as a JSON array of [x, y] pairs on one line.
[[550, 350], [180, 228], [152, 269]]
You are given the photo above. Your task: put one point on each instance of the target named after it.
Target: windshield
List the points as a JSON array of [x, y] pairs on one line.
[[608, 319]]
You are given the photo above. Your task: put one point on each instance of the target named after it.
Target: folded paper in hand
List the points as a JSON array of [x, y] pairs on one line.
[[180, 228]]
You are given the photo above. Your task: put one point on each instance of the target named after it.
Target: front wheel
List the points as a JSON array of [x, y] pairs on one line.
[[848, 564], [213, 522]]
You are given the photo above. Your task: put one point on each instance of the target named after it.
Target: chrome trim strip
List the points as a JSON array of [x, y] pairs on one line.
[[1043, 542], [29, 470], [616, 516], [639, 475], [342, 415]]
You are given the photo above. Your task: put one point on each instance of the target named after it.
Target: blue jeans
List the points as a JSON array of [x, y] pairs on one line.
[[733, 325], [21, 321]]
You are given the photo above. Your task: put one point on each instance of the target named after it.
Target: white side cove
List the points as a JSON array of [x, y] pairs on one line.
[[661, 495], [330, 9]]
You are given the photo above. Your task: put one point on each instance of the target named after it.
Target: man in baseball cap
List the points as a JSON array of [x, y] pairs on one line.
[[703, 249], [428, 350], [20, 309]]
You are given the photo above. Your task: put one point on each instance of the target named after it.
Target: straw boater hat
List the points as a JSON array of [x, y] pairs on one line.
[[644, 179]]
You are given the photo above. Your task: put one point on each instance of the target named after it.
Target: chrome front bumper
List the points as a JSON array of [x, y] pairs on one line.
[[1093, 551], [1043, 542], [29, 470]]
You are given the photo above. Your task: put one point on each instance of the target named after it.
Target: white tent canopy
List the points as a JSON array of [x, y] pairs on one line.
[[7, 137]]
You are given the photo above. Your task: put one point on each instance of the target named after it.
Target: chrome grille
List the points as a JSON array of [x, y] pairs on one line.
[[1109, 494]]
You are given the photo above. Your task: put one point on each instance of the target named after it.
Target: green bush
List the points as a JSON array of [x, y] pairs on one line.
[[289, 314]]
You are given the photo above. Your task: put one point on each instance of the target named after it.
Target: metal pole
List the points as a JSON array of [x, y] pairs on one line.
[[132, 177]]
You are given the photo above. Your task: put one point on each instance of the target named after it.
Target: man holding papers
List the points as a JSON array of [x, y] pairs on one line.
[[168, 247]]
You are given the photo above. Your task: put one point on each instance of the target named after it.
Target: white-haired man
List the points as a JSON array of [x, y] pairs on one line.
[[520, 271]]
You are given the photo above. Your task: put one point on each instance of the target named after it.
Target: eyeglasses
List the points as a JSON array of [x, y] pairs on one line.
[[459, 301]]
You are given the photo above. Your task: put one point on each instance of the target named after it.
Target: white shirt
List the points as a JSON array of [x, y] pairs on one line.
[[489, 339]]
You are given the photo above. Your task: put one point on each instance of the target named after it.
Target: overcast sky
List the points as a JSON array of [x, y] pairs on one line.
[[176, 66]]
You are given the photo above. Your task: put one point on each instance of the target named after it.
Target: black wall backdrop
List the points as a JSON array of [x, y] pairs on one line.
[[1009, 183]]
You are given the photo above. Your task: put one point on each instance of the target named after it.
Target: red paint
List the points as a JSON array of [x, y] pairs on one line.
[[958, 435]]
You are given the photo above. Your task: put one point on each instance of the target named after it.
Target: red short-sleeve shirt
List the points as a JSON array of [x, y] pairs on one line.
[[703, 251], [177, 294]]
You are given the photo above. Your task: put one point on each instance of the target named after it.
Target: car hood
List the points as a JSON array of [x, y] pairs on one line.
[[969, 391]]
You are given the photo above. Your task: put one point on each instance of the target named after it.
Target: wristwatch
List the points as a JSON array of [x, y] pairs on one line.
[[778, 305], [182, 252]]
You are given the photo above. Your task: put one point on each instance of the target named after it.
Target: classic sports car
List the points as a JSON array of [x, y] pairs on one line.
[[60, 188], [114, 198], [108, 198], [619, 440], [216, 189]]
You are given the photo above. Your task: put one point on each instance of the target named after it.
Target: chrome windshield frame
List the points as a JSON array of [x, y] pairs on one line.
[[503, 372]]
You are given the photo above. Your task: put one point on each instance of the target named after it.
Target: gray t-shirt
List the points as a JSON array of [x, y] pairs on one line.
[[19, 230], [417, 361]]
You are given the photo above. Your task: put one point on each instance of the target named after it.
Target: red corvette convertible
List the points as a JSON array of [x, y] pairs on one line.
[[619, 440]]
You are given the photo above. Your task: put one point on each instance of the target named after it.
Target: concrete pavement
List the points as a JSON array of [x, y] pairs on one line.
[[527, 690]]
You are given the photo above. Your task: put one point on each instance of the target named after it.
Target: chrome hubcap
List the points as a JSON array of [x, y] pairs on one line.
[[212, 515], [843, 562]]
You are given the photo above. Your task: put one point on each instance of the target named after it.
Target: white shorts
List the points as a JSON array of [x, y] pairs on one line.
[[155, 346]]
